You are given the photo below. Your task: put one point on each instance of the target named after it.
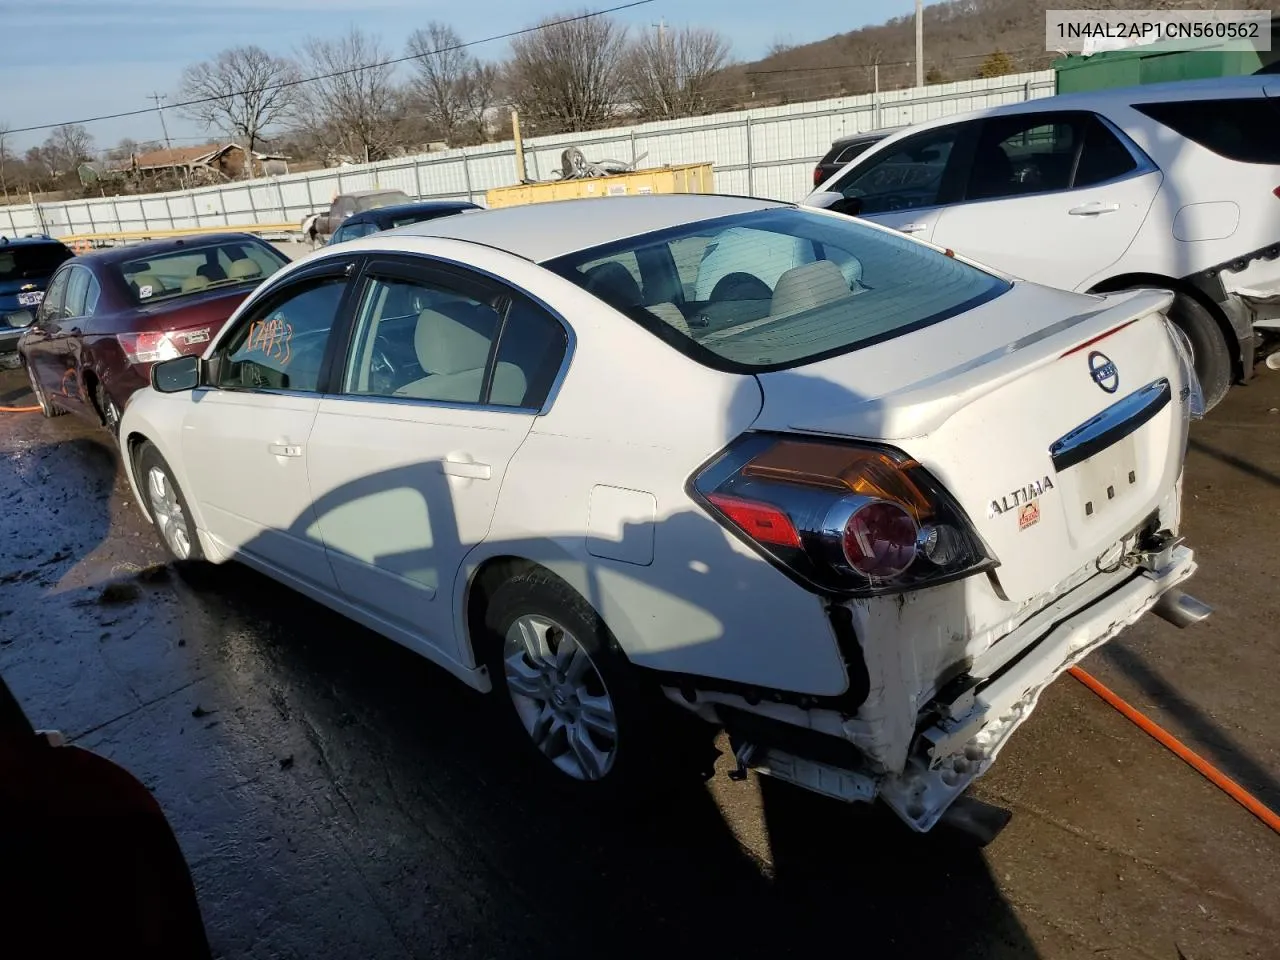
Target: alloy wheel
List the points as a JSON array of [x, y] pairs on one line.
[[168, 513], [560, 697]]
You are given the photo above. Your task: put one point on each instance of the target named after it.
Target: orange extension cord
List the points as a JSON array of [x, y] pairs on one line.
[[1165, 738], [18, 409]]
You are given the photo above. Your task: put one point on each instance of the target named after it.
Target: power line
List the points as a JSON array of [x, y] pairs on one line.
[[344, 72]]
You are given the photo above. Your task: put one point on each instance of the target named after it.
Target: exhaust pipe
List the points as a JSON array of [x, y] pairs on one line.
[[1181, 609]]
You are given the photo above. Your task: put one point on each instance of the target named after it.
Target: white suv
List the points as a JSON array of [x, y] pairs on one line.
[[1172, 185]]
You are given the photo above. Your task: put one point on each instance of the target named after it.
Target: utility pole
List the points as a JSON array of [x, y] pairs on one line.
[[919, 43], [168, 145]]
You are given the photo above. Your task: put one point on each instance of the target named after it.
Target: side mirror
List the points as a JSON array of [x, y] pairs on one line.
[[835, 202], [176, 375]]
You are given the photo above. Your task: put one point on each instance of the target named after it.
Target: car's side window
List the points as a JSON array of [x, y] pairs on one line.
[[77, 293], [1103, 156], [530, 353], [281, 344], [905, 176], [1022, 154], [55, 296], [423, 340]]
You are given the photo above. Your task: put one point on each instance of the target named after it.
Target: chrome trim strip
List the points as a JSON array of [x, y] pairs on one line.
[[1113, 424]]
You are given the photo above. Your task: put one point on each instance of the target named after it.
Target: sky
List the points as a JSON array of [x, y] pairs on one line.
[[67, 60]]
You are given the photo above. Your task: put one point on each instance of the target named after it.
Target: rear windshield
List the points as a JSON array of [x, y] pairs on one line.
[[778, 288], [1245, 130], [194, 269], [376, 200], [31, 261]]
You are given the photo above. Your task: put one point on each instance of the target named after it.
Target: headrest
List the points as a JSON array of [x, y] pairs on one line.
[[448, 345], [614, 284], [147, 285], [194, 283], [808, 286], [243, 270]]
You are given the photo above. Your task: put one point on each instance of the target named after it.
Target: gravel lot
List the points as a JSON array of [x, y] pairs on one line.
[[338, 797]]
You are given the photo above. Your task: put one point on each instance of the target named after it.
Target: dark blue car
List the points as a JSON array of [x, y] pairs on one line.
[[386, 218], [26, 264]]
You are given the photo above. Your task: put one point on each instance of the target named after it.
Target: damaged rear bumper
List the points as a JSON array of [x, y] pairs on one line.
[[959, 748], [960, 731]]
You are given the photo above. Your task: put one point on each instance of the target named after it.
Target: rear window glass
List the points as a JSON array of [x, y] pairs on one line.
[[31, 261], [1246, 130], [778, 288], [191, 270]]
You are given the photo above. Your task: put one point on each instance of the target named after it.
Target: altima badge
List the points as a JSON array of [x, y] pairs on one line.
[[1017, 499], [1104, 372]]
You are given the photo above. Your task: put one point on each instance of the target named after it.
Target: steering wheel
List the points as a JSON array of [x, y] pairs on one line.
[[381, 367]]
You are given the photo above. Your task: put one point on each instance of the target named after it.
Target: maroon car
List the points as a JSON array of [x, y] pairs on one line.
[[108, 316]]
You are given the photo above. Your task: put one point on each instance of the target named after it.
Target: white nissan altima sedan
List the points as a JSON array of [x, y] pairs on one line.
[[850, 497]]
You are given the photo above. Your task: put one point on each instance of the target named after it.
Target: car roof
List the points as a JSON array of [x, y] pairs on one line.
[[155, 248], [545, 231], [1102, 100], [419, 206], [31, 240], [879, 134]]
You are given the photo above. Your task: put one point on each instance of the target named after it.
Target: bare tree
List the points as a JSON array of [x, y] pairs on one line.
[[568, 76], [243, 91], [451, 89], [66, 148], [353, 108], [673, 74]]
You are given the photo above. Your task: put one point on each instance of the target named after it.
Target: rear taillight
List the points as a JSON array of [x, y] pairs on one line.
[[154, 346], [1276, 191], [817, 176], [847, 519]]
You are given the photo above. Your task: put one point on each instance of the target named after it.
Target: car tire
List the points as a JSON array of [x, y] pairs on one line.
[[107, 410], [167, 506], [1209, 348], [588, 725], [47, 407]]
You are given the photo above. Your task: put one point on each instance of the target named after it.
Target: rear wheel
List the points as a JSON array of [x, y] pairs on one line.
[[167, 506], [107, 410], [1209, 349], [46, 406], [569, 693]]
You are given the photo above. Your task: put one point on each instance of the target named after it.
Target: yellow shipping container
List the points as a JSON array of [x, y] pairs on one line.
[[682, 178]]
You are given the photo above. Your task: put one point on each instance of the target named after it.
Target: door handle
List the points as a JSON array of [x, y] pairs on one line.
[[457, 467], [913, 228], [285, 449], [1093, 209]]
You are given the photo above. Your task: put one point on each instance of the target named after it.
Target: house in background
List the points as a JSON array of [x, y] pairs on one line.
[[211, 163]]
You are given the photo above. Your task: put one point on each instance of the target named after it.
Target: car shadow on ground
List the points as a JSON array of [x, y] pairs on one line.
[[662, 870]]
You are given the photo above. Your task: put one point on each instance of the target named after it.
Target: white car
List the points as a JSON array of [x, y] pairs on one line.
[[860, 510], [1174, 185]]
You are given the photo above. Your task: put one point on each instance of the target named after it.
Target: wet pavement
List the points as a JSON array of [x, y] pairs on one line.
[[336, 796]]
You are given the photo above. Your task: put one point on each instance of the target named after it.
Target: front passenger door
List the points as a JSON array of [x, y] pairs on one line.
[[907, 185], [245, 437]]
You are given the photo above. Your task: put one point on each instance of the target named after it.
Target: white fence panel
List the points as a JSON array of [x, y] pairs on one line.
[[769, 152]]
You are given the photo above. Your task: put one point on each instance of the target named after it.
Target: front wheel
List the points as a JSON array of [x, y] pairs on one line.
[[46, 406], [167, 506]]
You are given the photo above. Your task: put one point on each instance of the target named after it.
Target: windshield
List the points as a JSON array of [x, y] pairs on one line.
[[769, 290], [194, 269], [30, 261]]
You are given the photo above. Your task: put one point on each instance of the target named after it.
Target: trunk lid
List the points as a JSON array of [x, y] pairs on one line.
[[1057, 420]]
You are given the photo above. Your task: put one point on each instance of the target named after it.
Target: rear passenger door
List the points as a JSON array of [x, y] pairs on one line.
[[1052, 197], [906, 185], [445, 372]]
